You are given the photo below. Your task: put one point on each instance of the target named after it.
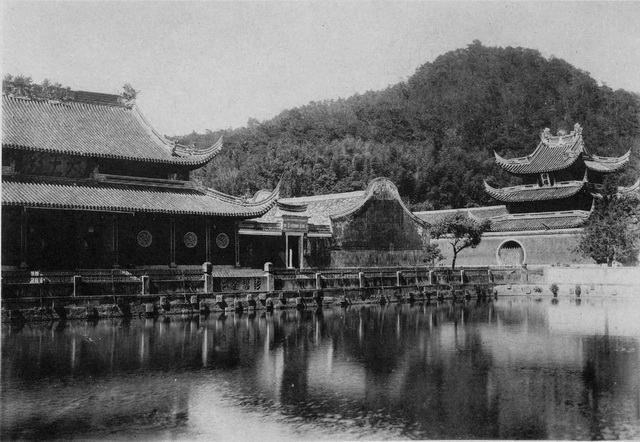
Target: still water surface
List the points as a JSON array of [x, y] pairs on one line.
[[507, 369]]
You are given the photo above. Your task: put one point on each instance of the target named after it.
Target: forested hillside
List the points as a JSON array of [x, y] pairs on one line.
[[433, 135]]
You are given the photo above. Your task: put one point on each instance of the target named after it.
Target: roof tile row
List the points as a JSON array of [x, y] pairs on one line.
[[93, 195], [559, 152], [534, 192], [89, 129]]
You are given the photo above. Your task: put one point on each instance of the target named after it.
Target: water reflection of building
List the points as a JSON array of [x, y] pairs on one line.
[[466, 370], [568, 380]]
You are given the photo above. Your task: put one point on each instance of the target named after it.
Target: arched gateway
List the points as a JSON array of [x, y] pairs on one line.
[[510, 253]]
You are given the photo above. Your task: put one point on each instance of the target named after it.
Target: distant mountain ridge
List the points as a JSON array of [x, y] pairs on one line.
[[433, 135]]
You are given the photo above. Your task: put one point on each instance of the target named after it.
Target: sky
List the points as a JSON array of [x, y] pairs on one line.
[[213, 65]]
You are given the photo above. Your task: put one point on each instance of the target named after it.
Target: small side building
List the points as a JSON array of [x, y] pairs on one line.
[[354, 229]]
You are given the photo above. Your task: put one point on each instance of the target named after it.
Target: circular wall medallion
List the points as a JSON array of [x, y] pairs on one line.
[[145, 238], [190, 239], [222, 240]]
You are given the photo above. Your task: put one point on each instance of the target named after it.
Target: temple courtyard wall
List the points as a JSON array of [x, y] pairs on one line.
[[517, 248]]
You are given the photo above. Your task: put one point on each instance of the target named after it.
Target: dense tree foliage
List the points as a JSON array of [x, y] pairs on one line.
[[433, 135], [612, 233], [432, 254], [460, 232]]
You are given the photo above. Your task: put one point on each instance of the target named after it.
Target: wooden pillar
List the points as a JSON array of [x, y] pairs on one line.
[[207, 241], [115, 245], [301, 251], [24, 231], [172, 242], [286, 250], [236, 232]]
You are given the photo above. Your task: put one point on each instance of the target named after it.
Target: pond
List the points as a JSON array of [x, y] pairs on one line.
[[512, 368]]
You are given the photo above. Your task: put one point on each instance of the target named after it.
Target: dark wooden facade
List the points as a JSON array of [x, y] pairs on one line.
[[87, 183]]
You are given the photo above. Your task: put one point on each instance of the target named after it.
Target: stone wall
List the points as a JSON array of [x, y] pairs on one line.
[[368, 258], [381, 231]]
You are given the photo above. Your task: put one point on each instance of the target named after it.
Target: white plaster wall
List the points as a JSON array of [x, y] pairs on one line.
[[540, 249]]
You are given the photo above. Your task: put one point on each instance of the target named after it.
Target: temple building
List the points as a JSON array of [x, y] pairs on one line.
[[365, 228], [538, 221], [88, 183]]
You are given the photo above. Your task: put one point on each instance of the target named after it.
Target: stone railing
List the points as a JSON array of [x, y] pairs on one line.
[[88, 283]]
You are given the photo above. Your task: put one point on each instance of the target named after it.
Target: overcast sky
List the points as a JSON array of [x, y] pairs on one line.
[[212, 65]]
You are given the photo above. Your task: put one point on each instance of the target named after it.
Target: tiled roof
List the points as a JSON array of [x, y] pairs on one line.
[[556, 154], [533, 192], [634, 188], [319, 208], [539, 221], [502, 221], [477, 213], [559, 152], [95, 195], [92, 126], [607, 164]]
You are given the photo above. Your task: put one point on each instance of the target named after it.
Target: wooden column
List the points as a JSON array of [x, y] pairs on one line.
[[172, 242], [24, 231], [236, 228], [115, 241], [207, 241], [301, 251], [286, 250]]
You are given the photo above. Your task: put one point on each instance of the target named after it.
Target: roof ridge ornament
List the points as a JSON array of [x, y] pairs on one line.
[[577, 130], [128, 95]]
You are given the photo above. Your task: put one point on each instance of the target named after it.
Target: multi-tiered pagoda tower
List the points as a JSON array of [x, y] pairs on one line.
[[539, 221], [560, 178]]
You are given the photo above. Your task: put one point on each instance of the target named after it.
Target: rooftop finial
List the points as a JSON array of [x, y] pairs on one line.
[[129, 94], [577, 130], [545, 135]]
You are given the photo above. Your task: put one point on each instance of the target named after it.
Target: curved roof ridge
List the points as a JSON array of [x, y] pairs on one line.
[[607, 164], [262, 206], [154, 134], [202, 157], [197, 158], [635, 187], [373, 186], [624, 156]]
